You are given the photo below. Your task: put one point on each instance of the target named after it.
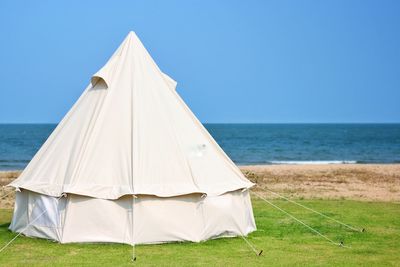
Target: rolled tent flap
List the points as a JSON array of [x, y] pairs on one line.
[[96, 79], [105, 74], [171, 82]]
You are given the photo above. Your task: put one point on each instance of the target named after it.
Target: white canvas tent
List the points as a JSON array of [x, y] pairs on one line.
[[130, 163]]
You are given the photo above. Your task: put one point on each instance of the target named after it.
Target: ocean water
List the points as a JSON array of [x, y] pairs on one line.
[[250, 143], [309, 143]]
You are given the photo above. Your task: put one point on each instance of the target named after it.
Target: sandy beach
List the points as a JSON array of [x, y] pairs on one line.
[[367, 182]]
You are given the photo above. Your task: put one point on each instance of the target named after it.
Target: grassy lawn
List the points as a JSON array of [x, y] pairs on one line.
[[284, 241]]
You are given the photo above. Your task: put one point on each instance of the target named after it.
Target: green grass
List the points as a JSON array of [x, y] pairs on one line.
[[284, 241]]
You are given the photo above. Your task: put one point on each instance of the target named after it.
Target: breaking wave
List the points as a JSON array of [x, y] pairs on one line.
[[312, 162]]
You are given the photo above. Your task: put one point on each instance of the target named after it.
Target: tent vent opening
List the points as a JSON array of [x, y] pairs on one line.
[[98, 83]]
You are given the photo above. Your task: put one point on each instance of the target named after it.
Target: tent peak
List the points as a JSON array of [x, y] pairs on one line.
[[104, 75], [131, 35]]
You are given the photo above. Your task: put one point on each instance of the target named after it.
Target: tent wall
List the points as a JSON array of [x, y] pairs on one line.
[[141, 220]]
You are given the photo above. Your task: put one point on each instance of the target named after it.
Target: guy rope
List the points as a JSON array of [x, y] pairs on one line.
[[340, 244]]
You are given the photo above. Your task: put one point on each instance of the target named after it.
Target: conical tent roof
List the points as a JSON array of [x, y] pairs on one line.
[[130, 133]]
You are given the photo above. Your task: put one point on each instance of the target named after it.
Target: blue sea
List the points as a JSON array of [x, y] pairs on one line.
[[250, 143]]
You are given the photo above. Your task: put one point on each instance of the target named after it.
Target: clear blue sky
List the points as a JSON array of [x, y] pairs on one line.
[[235, 61]]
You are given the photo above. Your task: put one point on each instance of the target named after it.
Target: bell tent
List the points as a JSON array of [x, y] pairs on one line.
[[130, 163]]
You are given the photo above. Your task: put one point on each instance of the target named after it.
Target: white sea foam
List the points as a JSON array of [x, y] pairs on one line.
[[312, 162]]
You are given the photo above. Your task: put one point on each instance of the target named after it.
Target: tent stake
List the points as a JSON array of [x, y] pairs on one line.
[[133, 253], [258, 253]]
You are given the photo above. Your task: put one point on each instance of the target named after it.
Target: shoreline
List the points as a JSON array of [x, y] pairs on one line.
[[311, 164], [301, 163], [315, 163], [363, 182]]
